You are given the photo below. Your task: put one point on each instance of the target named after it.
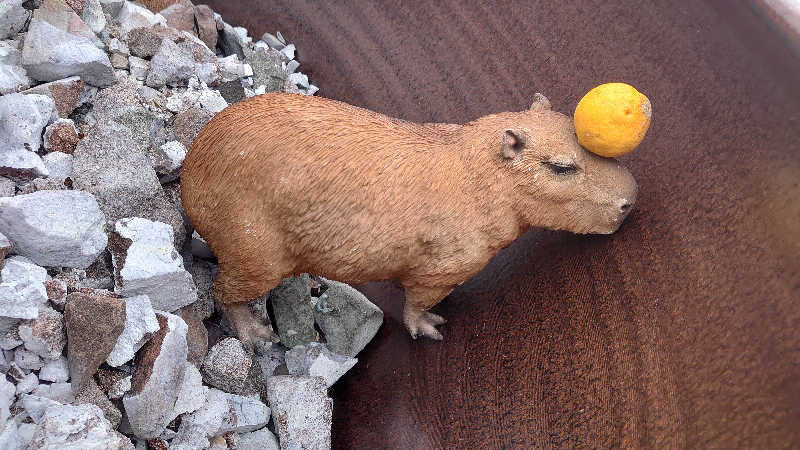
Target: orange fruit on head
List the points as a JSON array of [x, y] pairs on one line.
[[612, 119]]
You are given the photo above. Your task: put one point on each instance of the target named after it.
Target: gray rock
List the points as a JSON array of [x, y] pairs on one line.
[[146, 263], [56, 370], [206, 25], [13, 78], [67, 94], [288, 52], [294, 315], [316, 360], [203, 273], [221, 413], [12, 18], [92, 395], [232, 40], [22, 291], [262, 439], [58, 164], [168, 161], [22, 119], [171, 65], [11, 340], [93, 16], [60, 45], [94, 322], [140, 324], [138, 67], [5, 244], [59, 392], [133, 16], [119, 61], [112, 7], [55, 228], [60, 138], [267, 68], [27, 360], [35, 406], [272, 41], [301, 410], [292, 66], [114, 167], [189, 123], [212, 101], [71, 427], [27, 384], [232, 69], [299, 79], [197, 336], [120, 388], [227, 366], [158, 378], [7, 394], [347, 319], [231, 91], [44, 335], [270, 360], [192, 394]]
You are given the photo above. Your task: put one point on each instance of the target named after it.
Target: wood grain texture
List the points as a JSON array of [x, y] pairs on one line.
[[681, 330]]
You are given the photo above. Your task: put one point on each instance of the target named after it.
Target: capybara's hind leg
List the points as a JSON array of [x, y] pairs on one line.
[[416, 317], [249, 328]]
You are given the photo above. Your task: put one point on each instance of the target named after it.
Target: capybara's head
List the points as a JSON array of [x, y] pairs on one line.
[[553, 182]]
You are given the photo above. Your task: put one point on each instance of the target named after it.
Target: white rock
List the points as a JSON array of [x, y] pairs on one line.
[[316, 360], [120, 388], [292, 66], [271, 359], [133, 16], [58, 164], [207, 72], [288, 51], [27, 360], [212, 101], [70, 427], [112, 7], [22, 290], [119, 47], [35, 406], [27, 384], [93, 15], [301, 410], [16, 435], [60, 392], [221, 413], [311, 89], [13, 77], [262, 439], [140, 324], [55, 228], [56, 370], [299, 79], [59, 45], [45, 335], [192, 395], [22, 119], [157, 381], [169, 160], [12, 18], [7, 394], [138, 67], [231, 68], [152, 266]]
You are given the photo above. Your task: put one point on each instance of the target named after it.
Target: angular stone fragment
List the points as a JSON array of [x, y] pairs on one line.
[[140, 324], [58, 164], [22, 119], [92, 395], [160, 368], [206, 25], [267, 68], [56, 370], [27, 360], [27, 384], [62, 137], [348, 320], [60, 392], [44, 335], [180, 15], [146, 263], [55, 228], [22, 291], [13, 78], [262, 439], [114, 167], [169, 159], [226, 366], [294, 316], [138, 67], [60, 45], [35, 406], [12, 18], [316, 360], [171, 65], [270, 360], [7, 189], [77, 427], [133, 16], [93, 16], [192, 394], [203, 273], [94, 322], [301, 411], [112, 7], [67, 94], [5, 246], [197, 336], [189, 123]]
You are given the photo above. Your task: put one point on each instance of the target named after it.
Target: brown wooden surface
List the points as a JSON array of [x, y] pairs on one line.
[[683, 329]]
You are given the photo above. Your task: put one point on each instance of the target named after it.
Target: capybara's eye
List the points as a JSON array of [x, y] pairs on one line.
[[561, 169]]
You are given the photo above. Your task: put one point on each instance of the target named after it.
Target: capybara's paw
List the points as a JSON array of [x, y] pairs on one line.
[[250, 330], [423, 323]]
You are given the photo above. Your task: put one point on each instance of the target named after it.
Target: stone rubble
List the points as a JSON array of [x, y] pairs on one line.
[[347, 318], [100, 101]]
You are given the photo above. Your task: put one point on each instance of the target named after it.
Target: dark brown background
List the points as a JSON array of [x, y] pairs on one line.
[[681, 330]]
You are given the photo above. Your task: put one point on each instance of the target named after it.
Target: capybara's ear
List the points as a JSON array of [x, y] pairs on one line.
[[513, 143], [540, 103]]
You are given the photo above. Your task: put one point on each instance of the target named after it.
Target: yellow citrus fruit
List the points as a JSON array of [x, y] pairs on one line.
[[611, 119]]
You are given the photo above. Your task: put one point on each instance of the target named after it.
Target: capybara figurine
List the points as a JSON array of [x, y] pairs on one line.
[[281, 184]]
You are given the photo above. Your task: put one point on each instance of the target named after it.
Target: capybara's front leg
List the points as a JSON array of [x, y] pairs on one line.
[[416, 317]]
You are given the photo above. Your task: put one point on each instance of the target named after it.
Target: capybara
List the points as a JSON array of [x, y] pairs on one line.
[[281, 184]]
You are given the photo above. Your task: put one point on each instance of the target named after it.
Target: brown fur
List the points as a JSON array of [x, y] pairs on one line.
[[281, 184]]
